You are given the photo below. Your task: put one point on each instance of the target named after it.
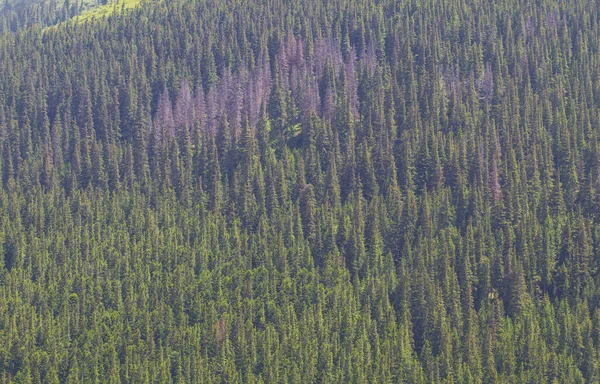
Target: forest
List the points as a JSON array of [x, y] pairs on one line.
[[286, 191]]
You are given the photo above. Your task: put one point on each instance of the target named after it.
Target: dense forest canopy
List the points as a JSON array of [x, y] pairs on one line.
[[301, 191]]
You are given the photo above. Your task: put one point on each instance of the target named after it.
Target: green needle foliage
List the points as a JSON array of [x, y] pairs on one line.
[[280, 191]]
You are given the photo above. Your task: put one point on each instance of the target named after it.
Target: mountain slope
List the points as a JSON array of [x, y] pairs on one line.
[[341, 191]]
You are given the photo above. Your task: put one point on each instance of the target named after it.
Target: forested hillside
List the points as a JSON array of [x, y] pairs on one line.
[[378, 191], [16, 15]]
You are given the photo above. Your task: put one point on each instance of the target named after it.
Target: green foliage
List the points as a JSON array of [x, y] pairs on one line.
[[341, 191]]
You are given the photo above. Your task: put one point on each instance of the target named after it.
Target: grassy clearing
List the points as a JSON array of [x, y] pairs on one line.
[[106, 10], [97, 13]]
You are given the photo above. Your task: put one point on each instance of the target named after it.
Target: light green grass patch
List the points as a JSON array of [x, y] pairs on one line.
[[106, 10]]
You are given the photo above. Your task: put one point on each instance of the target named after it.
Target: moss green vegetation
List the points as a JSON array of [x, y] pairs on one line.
[[278, 191]]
